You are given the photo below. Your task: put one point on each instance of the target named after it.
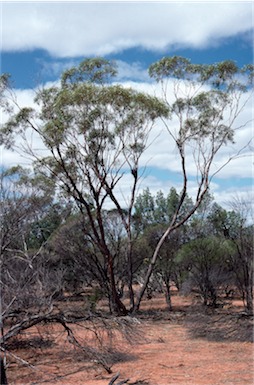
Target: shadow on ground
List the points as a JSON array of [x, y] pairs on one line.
[[212, 324], [219, 325]]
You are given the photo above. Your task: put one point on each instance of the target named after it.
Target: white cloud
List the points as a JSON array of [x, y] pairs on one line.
[[67, 29], [133, 71]]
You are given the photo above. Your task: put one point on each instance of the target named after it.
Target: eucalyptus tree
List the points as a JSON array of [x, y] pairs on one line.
[[205, 260], [205, 101], [24, 200], [94, 132], [24, 279], [236, 226]]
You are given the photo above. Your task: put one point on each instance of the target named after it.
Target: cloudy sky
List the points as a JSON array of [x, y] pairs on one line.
[[41, 39]]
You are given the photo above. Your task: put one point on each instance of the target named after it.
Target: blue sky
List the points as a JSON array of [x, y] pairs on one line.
[[40, 39], [28, 68]]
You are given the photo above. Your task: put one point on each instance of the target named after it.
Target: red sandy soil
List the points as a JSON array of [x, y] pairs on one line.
[[189, 345]]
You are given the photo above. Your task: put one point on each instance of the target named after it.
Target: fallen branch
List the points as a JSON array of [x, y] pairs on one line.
[[124, 325], [113, 379]]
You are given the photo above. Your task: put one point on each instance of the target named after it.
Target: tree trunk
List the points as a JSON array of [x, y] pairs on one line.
[[131, 295], [117, 307], [249, 299], [168, 296], [3, 373], [213, 296], [150, 269], [130, 272]]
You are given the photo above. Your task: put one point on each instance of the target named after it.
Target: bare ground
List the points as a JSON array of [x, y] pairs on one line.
[[189, 345]]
